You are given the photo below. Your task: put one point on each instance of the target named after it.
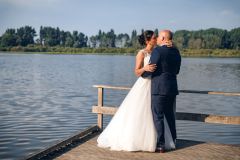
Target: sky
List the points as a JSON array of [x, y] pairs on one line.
[[88, 16]]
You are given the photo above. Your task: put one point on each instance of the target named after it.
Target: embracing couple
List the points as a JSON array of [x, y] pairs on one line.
[[145, 121]]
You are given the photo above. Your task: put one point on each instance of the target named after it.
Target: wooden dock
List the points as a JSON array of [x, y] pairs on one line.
[[83, 146], [186, 150]]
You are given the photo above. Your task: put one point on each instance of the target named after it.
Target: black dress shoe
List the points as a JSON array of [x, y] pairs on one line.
[[160, 150]]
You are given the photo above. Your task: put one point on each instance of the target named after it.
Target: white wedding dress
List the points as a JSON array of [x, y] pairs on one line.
[[132, 127]]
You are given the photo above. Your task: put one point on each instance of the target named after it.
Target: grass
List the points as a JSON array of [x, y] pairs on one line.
[[118, 51]]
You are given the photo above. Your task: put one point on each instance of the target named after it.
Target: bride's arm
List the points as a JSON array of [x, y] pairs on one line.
[[139, 68], [139, 64]]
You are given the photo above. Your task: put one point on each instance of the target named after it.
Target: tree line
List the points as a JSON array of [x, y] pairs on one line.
[[212, 38]]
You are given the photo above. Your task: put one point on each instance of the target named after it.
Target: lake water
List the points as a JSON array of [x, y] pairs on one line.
[[46, 98]]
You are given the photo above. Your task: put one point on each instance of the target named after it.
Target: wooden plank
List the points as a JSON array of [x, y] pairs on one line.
[[181, 91], [63, 143], [220, 119], [100, 96], [100, 103], [112, 87], [224, 93], [211, 92], [104, 110], [234, 120]]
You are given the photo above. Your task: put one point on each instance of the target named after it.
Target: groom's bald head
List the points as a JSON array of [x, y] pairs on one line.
[[164, 35]]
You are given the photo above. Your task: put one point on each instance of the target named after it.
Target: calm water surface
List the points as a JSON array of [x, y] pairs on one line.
[[46, 98]]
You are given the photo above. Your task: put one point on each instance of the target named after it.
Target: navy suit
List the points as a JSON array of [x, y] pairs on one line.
[[164, 88]]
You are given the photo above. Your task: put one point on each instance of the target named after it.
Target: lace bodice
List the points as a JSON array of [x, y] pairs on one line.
[[147, 56]]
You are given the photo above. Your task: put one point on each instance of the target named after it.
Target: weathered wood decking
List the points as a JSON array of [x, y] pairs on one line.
[[186, 150]]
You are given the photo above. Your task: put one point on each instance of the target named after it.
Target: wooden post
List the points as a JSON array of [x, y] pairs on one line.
[[100, 104]]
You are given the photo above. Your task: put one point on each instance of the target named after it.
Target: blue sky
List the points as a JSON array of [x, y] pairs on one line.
[[88, 16]]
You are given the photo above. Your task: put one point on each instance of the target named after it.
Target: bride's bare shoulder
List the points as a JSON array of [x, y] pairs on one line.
[[141, 53]]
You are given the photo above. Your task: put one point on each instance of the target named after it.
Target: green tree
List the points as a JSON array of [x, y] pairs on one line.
[[62, 38], [111, 38], [122, 40], [156, 32], [25, 35], [69, 40], [181, 38], [104, 39], [75, 39], [83, 39], [42, 35], [50, 36], [93, 41], [9, 38], [134, 39], [80, 40], [234, 38], [212, 38]]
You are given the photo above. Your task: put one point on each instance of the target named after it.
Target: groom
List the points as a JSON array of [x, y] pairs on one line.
[[164, 86]]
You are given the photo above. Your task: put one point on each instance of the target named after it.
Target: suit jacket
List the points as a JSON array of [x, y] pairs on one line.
[[164, 78]]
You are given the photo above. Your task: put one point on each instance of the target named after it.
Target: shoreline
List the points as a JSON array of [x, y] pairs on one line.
[[114, 54], [208, 53]]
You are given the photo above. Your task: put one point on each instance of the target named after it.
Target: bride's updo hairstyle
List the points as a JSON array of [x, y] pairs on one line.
[[145, 36]]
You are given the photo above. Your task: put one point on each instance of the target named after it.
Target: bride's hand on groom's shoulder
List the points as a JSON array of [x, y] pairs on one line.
[[169, 43], [150, 67]]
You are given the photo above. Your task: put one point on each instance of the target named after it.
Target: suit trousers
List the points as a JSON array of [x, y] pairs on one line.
[[163, 105]]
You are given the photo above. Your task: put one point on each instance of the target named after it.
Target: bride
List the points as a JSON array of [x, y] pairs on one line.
[[132, 127]]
